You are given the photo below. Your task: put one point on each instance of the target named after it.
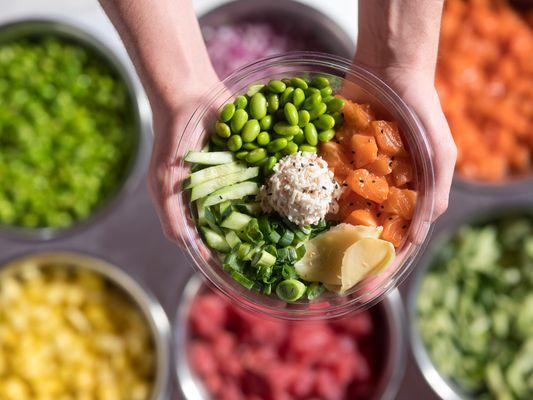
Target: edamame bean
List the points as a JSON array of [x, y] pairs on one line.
[[227, 112], [255, 156], [286, 96], [284, 129], [218, 141], [250, 146], [298, 97], [258, 106], [277, 145], [311, 135], [303, 118], [327, 99], [311, 91], [279, 155], [299, 83], [263, 139], [308, 149], [317, 110], [266, 122], [239, 120], [299, 138], [273, 102], [291, 148], [262, 162], [320, 82], [241, 102], [222, 130], [290, 290], [337, 116], [250, 130], [234, 143], [291, 114], [312, 101], [327, 91], [325, 122], [335, 104], [327, 135], [269, 166], [286, 81], [241, 155], [253, 89], [276, 86]]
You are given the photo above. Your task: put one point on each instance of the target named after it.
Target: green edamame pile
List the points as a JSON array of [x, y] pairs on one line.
[[278, 119], [66, 132], [475, 309]]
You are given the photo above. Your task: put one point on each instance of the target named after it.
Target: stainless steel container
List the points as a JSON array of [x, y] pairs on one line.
[[333, 37], [392, 314], [441, 386], [139, 124], [140, 296]]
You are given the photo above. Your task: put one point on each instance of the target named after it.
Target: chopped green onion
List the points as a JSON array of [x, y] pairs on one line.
[[300, 251], [290, 290], [286, 238], [243, 280], [263, 259], [271, 249], [274, 236], [288, 272], [314, 290], [264, 225], [243, 250], [252, 231]]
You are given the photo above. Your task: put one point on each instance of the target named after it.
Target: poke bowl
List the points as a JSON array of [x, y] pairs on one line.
[[276, 242], [205, 321]]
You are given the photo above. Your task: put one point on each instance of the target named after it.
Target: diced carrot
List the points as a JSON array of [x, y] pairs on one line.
[[361, 217], [367, 185], [394, 229], [382, 165], [365, 149], [402, 172], [401, 202], [387, 137], [357, 115]]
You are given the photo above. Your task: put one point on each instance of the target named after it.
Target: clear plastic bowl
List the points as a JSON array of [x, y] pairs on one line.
[[357, 84]]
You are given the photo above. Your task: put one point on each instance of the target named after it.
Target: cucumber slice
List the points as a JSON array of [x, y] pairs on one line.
[[249, 208], [200, 209], [211, 158], [232, 239], [233, 192], [213, 185], [214, 240], [212, 221], [209, 173], [236, 221]]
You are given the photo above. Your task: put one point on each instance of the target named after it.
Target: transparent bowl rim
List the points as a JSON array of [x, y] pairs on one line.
[[369, 82]]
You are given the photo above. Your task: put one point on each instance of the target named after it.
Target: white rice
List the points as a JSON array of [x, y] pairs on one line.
[[301, 189]]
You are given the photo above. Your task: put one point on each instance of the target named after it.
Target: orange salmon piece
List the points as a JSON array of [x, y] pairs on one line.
[[337, 160], [362, 217], [350, 201], [357, 115], [367, 185], [381, 166], [402, 171], [387, 137], [365, 150], [394, 229], [401, 202]]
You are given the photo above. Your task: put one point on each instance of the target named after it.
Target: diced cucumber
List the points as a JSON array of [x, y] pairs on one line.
[[263, 259], [211, 158], [200, 208], [215, 172], [232, 239], [249, 208], [214, 240], [213, 185], [225, 209], [236, 221], [232, 192]]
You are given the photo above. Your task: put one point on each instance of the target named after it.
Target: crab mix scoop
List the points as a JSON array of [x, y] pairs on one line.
[[301, 189]]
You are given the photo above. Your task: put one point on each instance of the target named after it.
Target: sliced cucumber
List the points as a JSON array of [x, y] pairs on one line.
[[249, 208], [200, 209], [212, 221], [211, 158], [214, 240], [217, 171], [213, 185], [233, 192], [232, 239], [235, 221]]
